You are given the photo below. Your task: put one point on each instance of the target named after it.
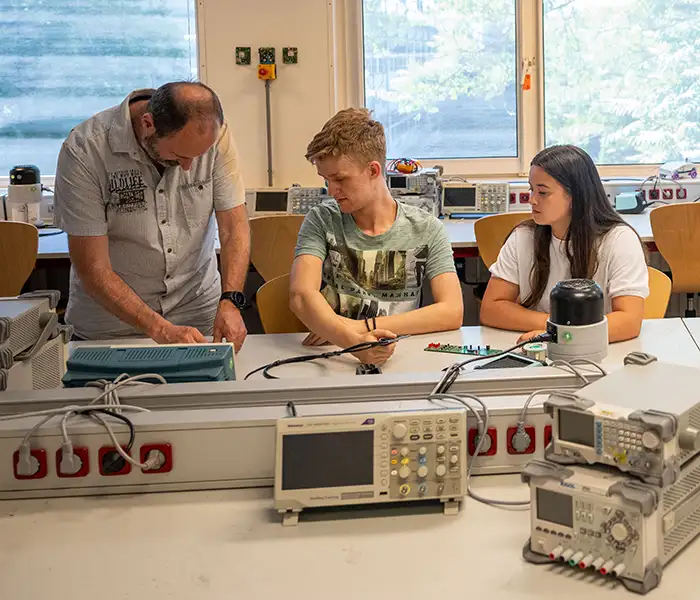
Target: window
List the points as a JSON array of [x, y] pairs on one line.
[[621, 80], [61, 61], [441, 76]]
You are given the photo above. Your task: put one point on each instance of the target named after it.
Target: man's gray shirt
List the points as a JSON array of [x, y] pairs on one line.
[[160, 228]]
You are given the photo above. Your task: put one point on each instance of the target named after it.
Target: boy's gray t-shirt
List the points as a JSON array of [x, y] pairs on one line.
[[375, 276]]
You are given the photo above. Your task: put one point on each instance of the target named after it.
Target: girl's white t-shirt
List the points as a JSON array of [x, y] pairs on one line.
[[622, 268]]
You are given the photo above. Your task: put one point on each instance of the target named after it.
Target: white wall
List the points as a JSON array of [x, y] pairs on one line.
[[302, 96]]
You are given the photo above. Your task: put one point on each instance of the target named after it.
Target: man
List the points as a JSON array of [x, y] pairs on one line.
[[370, 251], [136, 186]]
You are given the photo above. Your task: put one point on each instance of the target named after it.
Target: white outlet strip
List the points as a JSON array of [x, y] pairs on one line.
[[215, 448]]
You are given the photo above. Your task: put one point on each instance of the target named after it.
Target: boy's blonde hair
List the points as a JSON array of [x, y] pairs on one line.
[[353, 133]]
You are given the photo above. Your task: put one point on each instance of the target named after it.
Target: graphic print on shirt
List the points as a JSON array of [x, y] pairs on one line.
[[373, 283], [127, 192]]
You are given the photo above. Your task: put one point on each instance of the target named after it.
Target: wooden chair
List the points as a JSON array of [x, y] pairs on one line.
[[273, 240], [491, 232], [656, 302], [676, 230], [19, 245], [273, 307]]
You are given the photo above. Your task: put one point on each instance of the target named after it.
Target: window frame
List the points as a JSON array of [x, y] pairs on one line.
[[530, 104], [50, 180]]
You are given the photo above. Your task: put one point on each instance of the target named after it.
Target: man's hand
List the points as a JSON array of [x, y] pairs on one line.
[[380, 354], [175, 334], [229, 324], [530, 334]]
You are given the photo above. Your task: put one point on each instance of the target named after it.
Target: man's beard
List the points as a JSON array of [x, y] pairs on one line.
[[149, 145]]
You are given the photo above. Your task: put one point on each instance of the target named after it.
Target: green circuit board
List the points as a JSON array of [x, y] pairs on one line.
[[463, 350]]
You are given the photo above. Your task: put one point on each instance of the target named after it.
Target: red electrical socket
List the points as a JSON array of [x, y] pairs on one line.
[[40, 455], [654, 194], [524, 197], [547, 435], [667, 194], [492, 432], [530, 430], [167, 451], [513, 198], [681, 193], [100, 461], [83, 454]]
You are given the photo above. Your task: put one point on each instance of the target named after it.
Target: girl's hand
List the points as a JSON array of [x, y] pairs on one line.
[[530, 334]]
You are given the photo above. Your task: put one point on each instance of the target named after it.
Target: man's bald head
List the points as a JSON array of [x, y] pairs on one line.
[[181, 122], [176, 104]]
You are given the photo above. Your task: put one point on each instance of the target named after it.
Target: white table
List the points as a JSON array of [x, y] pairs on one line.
[[460, 232], [693, 327], [667, 339], [229, 544]]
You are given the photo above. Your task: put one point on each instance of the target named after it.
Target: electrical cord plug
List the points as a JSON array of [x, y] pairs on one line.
[[521, 440], [70, 463], [27, 465], [155, 459], [543, 337]]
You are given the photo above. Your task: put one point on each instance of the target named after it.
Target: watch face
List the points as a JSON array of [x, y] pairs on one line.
[[238, 299]]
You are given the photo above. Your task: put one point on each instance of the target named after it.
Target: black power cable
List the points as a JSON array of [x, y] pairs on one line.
[[309, 357], [117, 463], [453, 371]]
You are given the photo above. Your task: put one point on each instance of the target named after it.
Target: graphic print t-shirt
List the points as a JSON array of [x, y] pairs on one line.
[[374, 276]]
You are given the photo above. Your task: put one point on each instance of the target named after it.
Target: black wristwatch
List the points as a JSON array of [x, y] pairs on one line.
[[238, 299]]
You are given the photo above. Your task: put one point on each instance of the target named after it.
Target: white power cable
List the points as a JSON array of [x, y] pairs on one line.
[[111, 402], [585, 361], [110, 387], [155, 461], [561, 364], [531, 397], [56, 412], [482, 427]]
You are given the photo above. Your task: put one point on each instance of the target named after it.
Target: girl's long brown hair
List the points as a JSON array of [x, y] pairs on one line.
[[592, 216]]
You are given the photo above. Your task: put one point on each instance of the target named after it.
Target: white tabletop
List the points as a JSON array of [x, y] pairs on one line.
[[229, 544], [667, 339], [693, 327], [460, 232]]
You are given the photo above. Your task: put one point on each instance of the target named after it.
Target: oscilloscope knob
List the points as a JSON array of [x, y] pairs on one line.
[[422, 472], [404, 472], [440, 470], [399, 431]]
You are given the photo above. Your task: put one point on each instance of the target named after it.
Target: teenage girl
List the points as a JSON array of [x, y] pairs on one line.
[[574, 233]]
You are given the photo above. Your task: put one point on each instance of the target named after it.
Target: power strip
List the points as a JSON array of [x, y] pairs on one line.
[[220, 448]]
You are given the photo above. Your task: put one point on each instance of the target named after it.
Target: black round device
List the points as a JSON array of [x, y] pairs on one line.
[[576, 302], [25, 175]]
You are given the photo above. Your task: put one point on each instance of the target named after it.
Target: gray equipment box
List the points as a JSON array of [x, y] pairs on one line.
[[616, 525], [643, 419], [368, 458], [23, 320], [43, 371]]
